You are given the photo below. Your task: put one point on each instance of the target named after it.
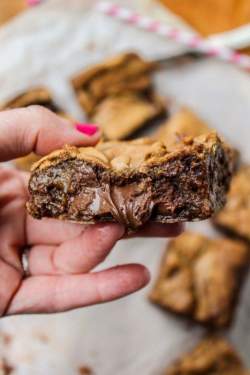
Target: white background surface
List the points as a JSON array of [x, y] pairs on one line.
[[46, 46]]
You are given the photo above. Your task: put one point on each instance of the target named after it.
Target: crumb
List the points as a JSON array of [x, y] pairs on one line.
[[85, 370]]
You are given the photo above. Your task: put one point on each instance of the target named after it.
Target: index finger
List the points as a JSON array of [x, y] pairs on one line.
[[36, 129]]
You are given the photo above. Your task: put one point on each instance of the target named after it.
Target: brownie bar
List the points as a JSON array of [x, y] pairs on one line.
[[118, 95], [200, 278], [127, 110], [234, 218], [212, 356], [132, 182], [185, 123], [37, 96]]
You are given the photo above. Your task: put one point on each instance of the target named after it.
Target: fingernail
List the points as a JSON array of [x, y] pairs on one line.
[[147, 274], [87, 129]]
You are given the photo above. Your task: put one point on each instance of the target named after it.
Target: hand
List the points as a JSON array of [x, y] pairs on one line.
[[61, 254]]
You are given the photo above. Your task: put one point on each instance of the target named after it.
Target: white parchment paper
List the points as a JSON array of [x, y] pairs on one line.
[[47, 45]]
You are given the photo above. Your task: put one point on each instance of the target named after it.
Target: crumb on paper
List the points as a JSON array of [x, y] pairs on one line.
[[42, 337], [85, 370], [7, 339], [5, 368]]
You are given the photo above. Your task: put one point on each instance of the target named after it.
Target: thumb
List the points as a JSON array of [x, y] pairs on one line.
[[36, 129]]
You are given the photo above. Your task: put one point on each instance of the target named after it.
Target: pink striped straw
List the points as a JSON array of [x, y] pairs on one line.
[[190, 40], [33, 2]]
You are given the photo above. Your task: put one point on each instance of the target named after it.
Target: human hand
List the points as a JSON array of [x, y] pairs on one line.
[[61, 254]]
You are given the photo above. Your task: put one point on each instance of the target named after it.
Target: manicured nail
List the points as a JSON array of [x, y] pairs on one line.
[[87, 129]]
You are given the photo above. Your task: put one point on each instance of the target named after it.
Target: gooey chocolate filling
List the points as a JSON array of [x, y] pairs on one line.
[[184, 189]]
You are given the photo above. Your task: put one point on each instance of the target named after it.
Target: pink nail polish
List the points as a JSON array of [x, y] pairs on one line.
[[87, 129]]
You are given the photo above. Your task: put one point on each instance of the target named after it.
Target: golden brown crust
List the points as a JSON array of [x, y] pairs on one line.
[[115, 69], [213, 355], [235, 216], [185, 123], [136, 154], [200, 278]]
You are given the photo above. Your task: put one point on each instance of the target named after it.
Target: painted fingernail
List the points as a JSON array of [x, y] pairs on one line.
[[87, 129]]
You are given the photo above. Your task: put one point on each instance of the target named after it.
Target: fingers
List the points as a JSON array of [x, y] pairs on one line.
[[39, 130], [78, 255], [51, 231], [50, 294], [159, 230]]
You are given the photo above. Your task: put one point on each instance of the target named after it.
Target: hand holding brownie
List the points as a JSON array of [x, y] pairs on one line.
[[61, 254]]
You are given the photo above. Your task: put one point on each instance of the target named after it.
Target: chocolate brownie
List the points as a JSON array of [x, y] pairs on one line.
[[128, 110], [200, 278], [185, 123], [132, 182], [234, 218], [37, 96], [212, 356], [11, 8], [118, 95]]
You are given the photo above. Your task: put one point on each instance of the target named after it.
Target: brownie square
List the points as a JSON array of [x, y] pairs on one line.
[[132, 182], [200, 278], [212, 356], [234, 218], [118, 95], [121, 115]]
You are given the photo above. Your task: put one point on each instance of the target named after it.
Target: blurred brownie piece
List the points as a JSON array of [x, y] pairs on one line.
[[234, 218], [118, 95], [128, 110], [37, 96], [11, 8], [200, 278], [185, 123], [132, 182], [212, 356]]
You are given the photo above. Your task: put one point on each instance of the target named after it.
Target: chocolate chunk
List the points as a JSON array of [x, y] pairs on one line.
[[118, 95], [234, 218], [132, 182], [212, 356], [200, 278]]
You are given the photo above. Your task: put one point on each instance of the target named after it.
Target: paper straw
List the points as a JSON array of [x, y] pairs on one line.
[[190, 40]]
